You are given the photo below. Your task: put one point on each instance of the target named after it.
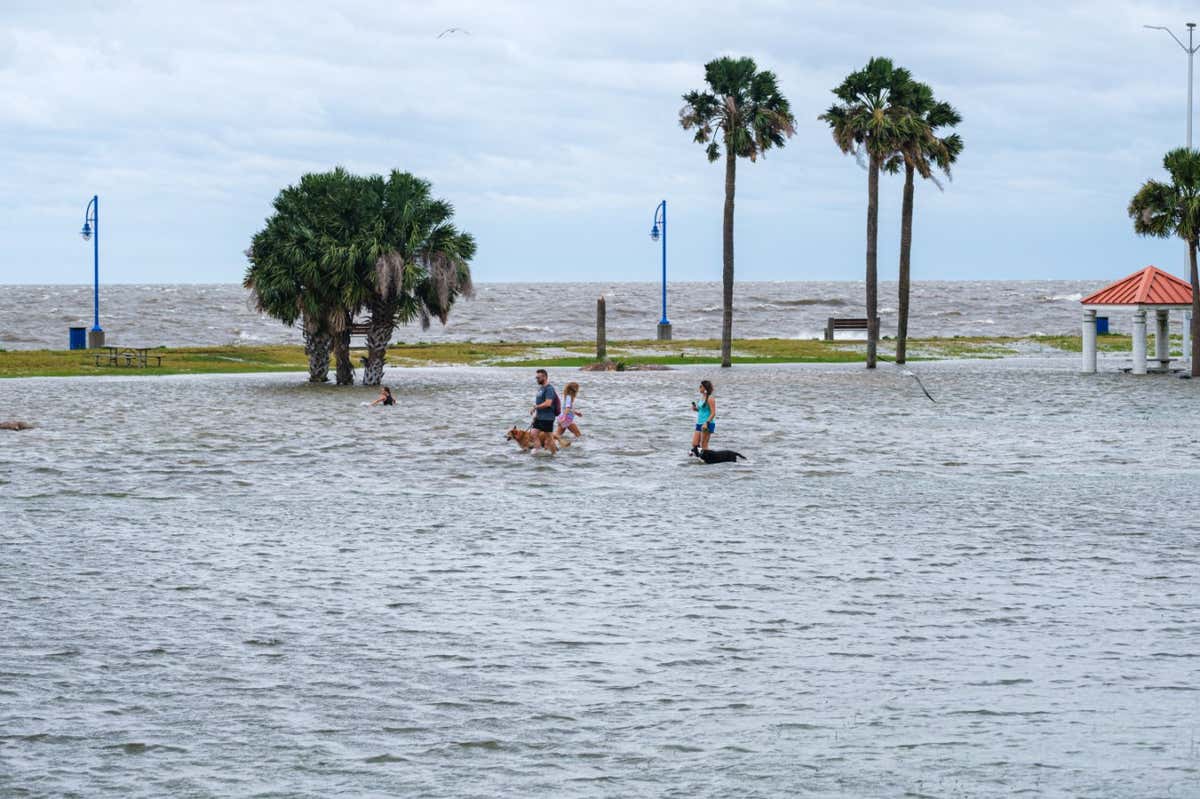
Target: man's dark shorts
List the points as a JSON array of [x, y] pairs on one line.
[[545, 425]]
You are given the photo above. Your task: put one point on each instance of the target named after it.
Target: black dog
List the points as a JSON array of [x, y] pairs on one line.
[[718, 455]]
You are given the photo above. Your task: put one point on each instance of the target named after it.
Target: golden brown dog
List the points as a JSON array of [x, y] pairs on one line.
[[528, 439]]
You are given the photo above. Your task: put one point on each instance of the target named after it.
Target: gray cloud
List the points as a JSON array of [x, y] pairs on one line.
[[553, 129]]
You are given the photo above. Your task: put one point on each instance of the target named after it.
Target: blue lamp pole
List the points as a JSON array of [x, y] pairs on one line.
[[660, 218], [91, 228]]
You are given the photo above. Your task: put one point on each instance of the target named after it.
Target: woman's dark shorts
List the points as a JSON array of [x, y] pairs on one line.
[[545, 425]]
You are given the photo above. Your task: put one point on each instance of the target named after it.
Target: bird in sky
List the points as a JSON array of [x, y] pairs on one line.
[[450, 31]]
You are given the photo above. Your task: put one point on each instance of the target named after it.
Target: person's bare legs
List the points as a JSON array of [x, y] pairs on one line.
[[548, 441], [704, 435], [574, 428], [696, 440]]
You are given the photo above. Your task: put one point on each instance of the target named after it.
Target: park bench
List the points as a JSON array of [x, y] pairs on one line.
[[843, 323]]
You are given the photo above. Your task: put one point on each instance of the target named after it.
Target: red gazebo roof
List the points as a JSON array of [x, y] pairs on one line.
[[1150, 286]]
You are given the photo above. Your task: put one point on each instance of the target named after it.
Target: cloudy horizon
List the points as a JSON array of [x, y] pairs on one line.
[[554, 132]]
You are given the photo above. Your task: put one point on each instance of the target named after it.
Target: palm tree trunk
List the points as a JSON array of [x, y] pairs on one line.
[[341, 352], [906, 219], [1195, 309], [316, 347], [727, 252], [383, 322], [872, 259]]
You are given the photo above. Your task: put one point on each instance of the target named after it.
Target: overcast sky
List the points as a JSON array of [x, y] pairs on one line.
[[553, 129]]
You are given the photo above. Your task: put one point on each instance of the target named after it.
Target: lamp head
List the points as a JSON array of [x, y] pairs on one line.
[[654, 232], [86, 232]]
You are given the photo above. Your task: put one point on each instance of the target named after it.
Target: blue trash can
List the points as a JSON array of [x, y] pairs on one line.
[[78, 338], [1101, 325]]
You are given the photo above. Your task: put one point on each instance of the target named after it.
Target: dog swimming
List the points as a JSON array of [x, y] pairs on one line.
[[717, 455]]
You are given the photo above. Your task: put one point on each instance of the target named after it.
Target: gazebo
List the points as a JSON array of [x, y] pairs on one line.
[[1151, 289]]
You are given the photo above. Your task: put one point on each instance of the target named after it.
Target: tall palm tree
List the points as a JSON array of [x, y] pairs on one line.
[[744, 109], [1173, 209], [420, 263], [921, 151], [867, 121]]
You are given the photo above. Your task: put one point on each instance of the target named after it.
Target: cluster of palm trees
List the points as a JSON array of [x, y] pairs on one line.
[[340, 244], [882, 116]]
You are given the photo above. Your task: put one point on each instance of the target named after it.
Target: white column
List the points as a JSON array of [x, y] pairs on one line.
[[1089, 340], [1187, 336], [1139, 342], [1162, 337]]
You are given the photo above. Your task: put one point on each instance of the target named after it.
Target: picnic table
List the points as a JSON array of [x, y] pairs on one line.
[[116, 355]]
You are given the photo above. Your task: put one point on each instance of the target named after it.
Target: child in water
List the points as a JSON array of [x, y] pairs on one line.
[[566, 419], [706, 418]]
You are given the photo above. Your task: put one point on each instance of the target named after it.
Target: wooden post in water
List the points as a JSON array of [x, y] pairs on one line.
[[601, 331]]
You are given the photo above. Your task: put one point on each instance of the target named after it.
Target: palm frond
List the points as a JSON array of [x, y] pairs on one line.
[[742, 105]]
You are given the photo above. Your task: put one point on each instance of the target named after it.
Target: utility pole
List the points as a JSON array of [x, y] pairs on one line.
[[1190, 48]]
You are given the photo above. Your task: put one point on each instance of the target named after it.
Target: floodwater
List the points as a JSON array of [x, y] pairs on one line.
[[249, 586]]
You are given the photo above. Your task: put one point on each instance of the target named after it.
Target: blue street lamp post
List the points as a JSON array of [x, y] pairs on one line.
[[91, 228], [660, 218]]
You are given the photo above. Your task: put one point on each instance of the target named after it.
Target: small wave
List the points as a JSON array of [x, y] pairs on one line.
[[1063, 298], [386, 758], [13, 337], [834, 301], [139, 748]]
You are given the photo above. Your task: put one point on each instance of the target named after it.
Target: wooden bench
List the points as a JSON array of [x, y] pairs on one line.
[[844, 323]]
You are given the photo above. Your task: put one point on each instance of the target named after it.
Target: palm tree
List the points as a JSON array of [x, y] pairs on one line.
[[1173, 209], [920, 152], [339, 243], [277, 290], [868, 121], [420, 263], [742, 107], [305, 265]]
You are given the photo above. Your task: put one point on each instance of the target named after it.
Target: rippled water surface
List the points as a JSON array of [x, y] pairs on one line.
[[249, 586], [33, 317]]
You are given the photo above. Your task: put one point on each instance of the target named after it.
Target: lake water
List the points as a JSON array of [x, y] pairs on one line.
[[251, 586], [33, 317]]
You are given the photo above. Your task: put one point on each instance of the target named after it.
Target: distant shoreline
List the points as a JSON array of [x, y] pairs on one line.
[[563, 354], [884, 281]]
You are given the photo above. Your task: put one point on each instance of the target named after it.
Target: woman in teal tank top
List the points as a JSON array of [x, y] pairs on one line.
[[706, 418]]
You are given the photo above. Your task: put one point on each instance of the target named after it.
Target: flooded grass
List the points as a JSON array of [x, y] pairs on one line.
[[291, 358]]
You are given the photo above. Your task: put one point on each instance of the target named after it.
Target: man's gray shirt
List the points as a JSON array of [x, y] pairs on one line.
[[546, 392]]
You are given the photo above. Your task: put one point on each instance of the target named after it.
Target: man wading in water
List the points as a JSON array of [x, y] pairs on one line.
[[545, 409]]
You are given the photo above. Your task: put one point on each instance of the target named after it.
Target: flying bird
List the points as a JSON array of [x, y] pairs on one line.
[[449, 31]]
